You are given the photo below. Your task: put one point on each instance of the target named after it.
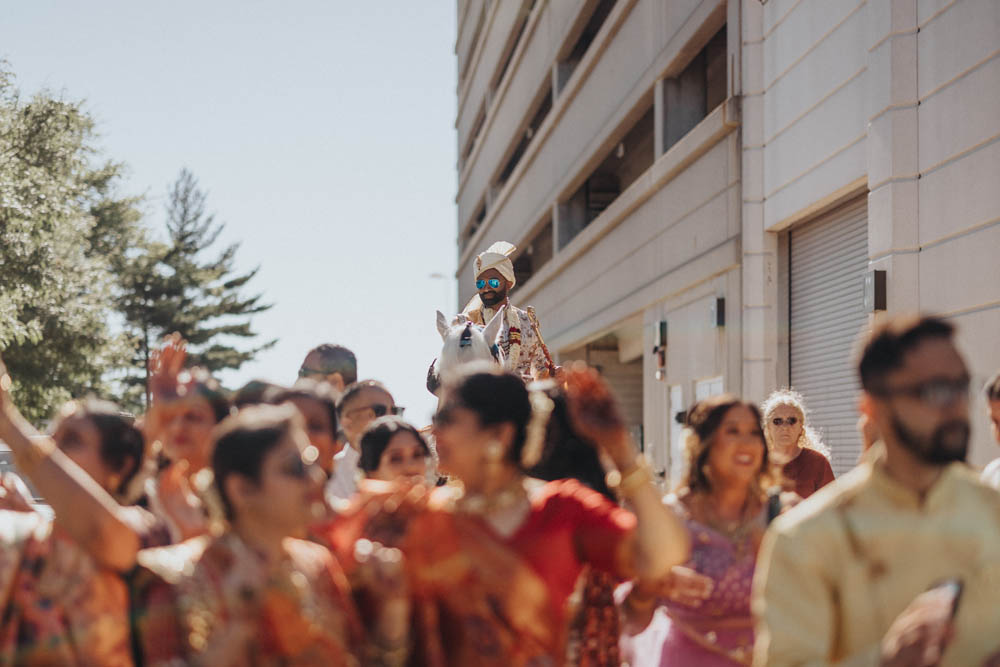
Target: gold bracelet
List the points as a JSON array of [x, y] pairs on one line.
[[37, 451], [636, 477]]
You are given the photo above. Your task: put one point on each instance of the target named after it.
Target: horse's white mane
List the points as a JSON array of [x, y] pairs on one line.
[[466, 342]]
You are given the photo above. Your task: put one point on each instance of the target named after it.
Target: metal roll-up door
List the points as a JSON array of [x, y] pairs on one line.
[[828, 258]]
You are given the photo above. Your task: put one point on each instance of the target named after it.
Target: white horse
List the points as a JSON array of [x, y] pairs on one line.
[[464, 342]]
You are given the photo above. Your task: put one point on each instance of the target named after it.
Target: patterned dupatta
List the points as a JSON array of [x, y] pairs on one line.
[[304, 615], [57, 605], [476, 601]]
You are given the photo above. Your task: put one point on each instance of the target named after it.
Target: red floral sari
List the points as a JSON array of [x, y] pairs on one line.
[[480, 599]]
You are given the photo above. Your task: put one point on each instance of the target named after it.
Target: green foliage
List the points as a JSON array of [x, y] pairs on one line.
[[61, 226], [173, 286]]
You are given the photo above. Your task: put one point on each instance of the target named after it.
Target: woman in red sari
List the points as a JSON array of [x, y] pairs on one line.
[[254, 591], [492, 567]]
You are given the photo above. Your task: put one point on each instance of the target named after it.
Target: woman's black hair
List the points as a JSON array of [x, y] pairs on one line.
[[567, 454], [122, 445], [244, 439], [379, 434], [497, 397], [321, 392]]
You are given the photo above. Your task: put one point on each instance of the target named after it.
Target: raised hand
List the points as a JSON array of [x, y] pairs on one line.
[[178, 501], [595, 414], [165, 364]]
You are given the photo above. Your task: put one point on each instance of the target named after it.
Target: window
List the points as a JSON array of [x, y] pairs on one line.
[[628, 160], [535, 255], [520, 24], [477, 222], [543, 106], [477, 129], [696, 91], [579, 49]]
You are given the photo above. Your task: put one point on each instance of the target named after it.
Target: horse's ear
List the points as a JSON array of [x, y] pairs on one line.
[[493, 328], [442, 324]]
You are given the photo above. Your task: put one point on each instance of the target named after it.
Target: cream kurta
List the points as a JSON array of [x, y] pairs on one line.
[[531, 359], [835, 572]]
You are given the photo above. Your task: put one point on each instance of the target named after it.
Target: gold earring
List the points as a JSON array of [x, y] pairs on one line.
[[494, 451]]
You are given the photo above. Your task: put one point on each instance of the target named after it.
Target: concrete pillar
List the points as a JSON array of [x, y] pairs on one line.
[[760, 319], [892, 142]]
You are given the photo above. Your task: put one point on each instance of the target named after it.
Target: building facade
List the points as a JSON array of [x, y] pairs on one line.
[[718, 195]]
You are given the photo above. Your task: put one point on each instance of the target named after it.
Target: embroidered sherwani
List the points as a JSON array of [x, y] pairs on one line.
[[530, 358], [836, 571]]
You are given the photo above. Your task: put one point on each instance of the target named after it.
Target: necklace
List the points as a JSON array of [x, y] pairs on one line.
[[482, 504], [735, 530]]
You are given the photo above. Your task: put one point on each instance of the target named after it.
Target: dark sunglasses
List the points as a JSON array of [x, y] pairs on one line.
[[791, 421], [492, 282], [379, 410]]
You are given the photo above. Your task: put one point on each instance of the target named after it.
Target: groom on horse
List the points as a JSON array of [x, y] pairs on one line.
[[524, 352]]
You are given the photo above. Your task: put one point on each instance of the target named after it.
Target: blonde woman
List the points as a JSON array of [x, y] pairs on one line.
[[793, 444]]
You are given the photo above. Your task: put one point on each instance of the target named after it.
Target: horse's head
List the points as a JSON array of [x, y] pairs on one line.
[[466, 342]]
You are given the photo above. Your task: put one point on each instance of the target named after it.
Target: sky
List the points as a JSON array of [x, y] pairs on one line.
[[323, 132]]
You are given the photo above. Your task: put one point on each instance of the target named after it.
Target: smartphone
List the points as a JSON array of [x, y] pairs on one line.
[[954, 586]]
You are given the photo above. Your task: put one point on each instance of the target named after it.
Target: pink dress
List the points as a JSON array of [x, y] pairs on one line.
[[719, 631]]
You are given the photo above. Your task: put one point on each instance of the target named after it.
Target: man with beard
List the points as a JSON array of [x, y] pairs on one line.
[[871, 569], [494, 279]]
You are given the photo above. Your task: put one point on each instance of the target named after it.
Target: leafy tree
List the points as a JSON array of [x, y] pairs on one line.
[[61, 224], [172, 286]]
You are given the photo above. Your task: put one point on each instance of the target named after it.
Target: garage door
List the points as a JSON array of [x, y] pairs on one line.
[[828, 258]]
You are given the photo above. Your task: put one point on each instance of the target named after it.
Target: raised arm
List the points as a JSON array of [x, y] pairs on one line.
[[660, 539], [82, 508]]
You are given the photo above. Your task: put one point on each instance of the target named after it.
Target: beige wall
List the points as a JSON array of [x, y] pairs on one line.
[[898, 98], [837, 98]]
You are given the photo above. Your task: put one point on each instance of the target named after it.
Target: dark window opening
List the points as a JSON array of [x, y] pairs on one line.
[[535, 255], [518, 32], [477, 129], [696, 91], [544, 106], [568, 64], [480, 20], [628, 160], [477, 222]]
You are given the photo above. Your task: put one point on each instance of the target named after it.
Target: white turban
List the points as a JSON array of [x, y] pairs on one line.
[[497, 256]]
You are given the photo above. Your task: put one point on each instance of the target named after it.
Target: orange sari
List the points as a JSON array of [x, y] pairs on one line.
[[303, 616], [58, 607]]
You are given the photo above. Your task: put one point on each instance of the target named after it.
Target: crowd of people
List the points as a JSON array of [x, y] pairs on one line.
[[312, 524]]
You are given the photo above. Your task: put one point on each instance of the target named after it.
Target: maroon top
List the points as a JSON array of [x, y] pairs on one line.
[[808, 472]]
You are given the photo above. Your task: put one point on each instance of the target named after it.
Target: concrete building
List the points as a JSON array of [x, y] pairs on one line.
[[718, 195]]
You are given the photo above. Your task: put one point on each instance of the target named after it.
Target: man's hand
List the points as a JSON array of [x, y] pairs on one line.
[[919, 635]]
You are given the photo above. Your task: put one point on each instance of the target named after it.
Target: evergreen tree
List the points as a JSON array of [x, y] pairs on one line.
[[61, 224], [172, 286]]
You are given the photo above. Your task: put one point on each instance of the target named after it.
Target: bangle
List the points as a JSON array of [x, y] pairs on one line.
[[28, 459], [381, 655], [627, 483], [640, 602]]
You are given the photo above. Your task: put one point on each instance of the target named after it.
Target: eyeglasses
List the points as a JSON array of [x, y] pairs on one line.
[[306, 372], [939, 393], [791, 421], [378, 410], [492, 282]]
